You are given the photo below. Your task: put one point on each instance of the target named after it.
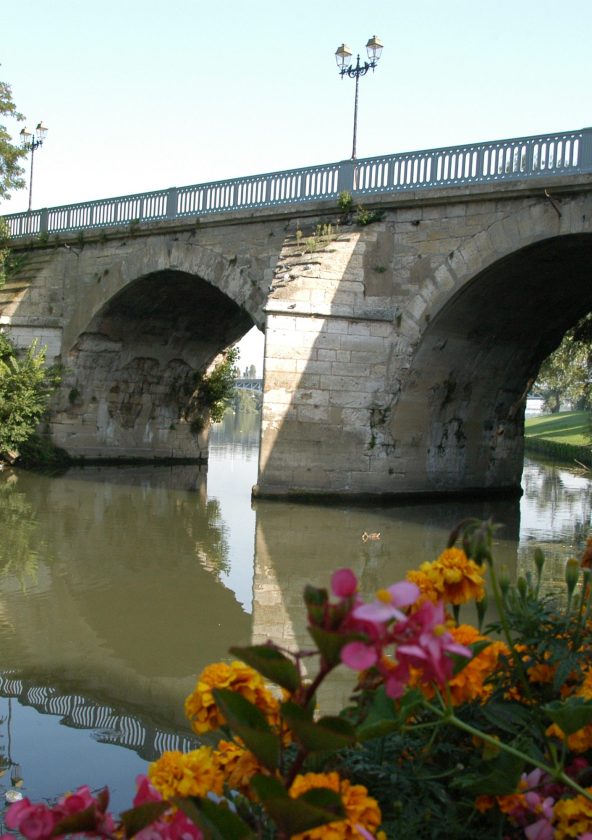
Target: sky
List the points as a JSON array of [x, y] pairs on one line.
[[141, 95]]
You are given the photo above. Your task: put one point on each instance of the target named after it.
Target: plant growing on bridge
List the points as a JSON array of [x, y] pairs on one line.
[[211, 393], [323, 235], [26, 385]]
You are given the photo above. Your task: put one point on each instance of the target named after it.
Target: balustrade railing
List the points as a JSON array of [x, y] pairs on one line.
[[523, 158]]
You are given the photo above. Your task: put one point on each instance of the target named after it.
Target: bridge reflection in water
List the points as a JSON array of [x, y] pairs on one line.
[[110, 726]]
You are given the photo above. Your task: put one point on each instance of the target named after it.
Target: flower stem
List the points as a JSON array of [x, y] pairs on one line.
[[449, 717]]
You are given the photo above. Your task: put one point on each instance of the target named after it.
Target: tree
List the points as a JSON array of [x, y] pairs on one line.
[[26, 385], [566, 375], [10, 170]]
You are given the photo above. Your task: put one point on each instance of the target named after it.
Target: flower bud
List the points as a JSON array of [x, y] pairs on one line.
[[539, 561], [572, 573], [522, 586], [481, 610], [504, 579]]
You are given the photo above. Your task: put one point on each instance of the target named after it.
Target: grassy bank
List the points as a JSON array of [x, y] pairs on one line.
[[566, 436]]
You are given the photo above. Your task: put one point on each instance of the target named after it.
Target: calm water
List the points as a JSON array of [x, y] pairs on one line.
[[117, 585]]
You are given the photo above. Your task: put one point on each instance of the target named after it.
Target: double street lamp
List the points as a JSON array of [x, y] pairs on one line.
[[31, 143], [343, 56]]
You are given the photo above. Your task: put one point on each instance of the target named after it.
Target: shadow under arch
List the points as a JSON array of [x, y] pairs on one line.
[[464, 397], [130, 371]]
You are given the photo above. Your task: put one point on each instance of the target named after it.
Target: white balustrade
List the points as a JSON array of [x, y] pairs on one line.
[[522, 158]]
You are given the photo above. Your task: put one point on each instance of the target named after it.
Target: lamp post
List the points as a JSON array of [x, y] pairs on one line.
[[343, 56], [31, 143]]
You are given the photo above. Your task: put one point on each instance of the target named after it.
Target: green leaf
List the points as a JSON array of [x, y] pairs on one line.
[[328, 733], [567, 662], [271, 664], [571, 714], [250, 724], [268, 787], [314, 597], [316, 807], [330, 644], [383, 717], [135, 819], [78, 823], [497, 777], [510, 717], [217, 819], [461, 662]]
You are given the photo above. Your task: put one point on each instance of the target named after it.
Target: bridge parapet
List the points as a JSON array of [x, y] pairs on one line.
[[516, 159]]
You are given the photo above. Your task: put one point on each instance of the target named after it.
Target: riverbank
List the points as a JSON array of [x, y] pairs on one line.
[[566, 436]]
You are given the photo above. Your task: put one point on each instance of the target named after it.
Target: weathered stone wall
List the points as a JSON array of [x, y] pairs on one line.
[[132, 317], [398, 355]]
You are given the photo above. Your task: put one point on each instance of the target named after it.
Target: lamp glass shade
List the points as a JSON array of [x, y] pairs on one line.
[[374, 48], [343, 56], [25, 136], [41, 131]]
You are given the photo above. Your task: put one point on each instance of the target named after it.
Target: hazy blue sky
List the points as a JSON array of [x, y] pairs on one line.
[[142, 95]]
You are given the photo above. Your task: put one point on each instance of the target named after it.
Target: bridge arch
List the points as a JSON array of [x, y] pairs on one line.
[[459, 413], [106, 270], [132, 353]]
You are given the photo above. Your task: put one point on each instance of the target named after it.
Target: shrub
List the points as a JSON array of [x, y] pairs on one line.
[[26, 385], [210, 394]]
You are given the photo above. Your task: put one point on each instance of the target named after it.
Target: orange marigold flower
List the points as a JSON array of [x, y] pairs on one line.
[[237, 765], [541, 673], [455, 578], [580, 741], [484, 803], [200, 706], [585, 690], [572, 817], [186, 774], [471, 683], [361, 810], [426, 586]]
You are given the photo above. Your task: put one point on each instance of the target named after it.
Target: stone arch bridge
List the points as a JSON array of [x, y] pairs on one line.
[[398, 354]]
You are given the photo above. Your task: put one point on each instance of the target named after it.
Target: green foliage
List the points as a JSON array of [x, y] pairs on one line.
[[566, 436], [11, 171], [345, 202], [566, 375], [367, 217], [216, 389], [323, 235], [26, 385], [210, 394]]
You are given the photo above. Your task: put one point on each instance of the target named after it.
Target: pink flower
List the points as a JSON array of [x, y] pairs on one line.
[[175, 827], [35, 822], [388, 603], [359, 656], [344, 583], [145, 792], [540, 830], [72, 803], [428, 642]]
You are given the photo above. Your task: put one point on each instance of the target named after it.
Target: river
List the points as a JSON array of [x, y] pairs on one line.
[[117, 585]]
